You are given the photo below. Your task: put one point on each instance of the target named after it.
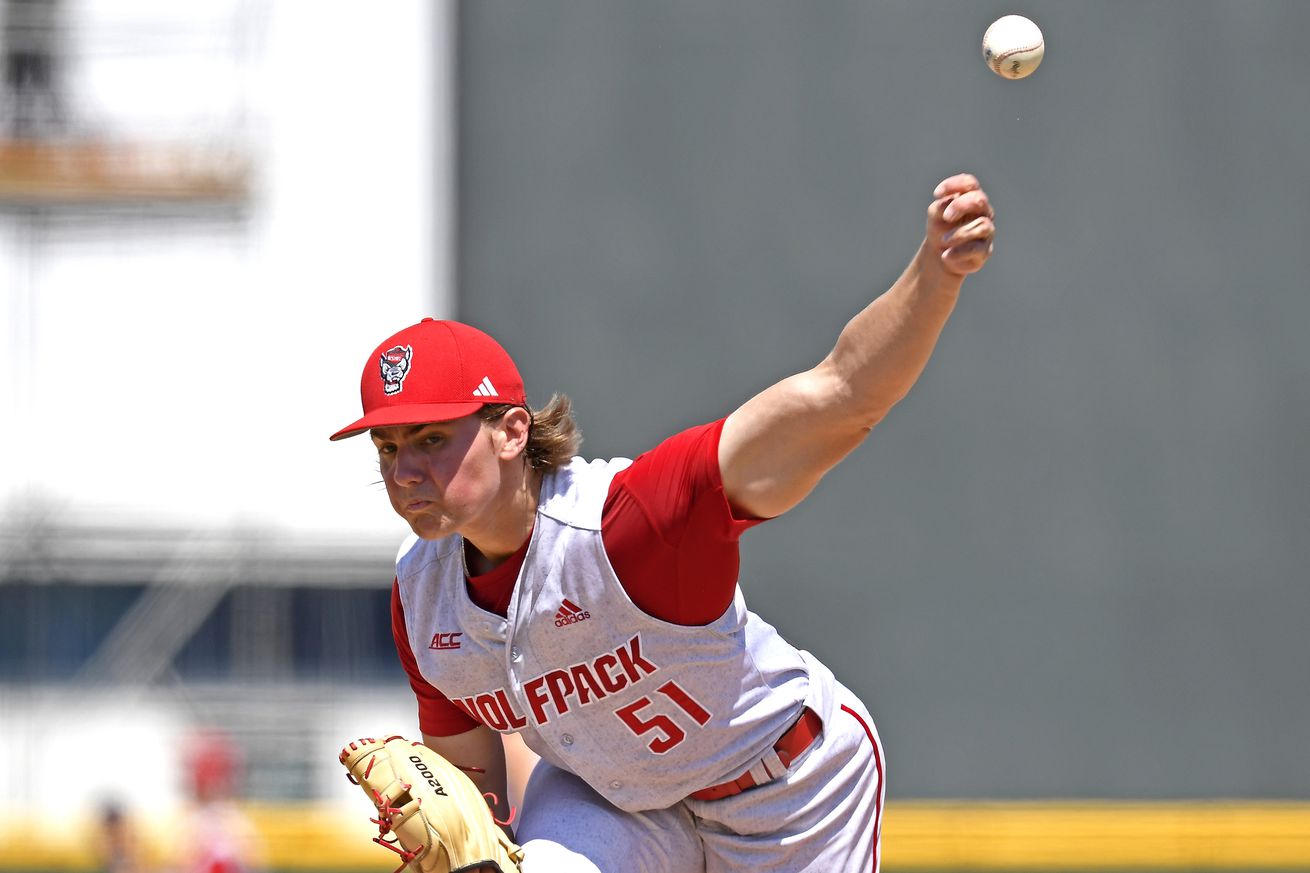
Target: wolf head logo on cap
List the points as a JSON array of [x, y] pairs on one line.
[[395, 367]]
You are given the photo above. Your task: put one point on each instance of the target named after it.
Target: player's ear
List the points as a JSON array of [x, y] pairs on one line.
[[515, 425]]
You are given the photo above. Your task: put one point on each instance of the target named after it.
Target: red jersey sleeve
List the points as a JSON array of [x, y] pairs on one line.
[[437, 716], [670, 533]]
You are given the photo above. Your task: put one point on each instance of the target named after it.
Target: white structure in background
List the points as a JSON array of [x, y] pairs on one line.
[[174, 369], [188, 371]]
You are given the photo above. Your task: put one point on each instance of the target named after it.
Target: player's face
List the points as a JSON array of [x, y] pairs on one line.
[[443, 477]]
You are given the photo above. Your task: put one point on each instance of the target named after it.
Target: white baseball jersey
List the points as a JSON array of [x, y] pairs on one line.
[[645, 711]]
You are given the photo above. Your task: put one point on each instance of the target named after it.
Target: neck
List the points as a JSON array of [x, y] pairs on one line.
[[490, 546]]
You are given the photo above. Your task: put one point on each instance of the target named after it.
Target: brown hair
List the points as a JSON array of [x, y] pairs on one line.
[[553, 438]]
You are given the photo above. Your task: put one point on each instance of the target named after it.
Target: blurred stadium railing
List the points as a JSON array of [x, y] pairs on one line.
[[125, 604]]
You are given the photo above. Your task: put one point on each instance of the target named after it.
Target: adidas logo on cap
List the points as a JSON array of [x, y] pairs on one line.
[[485, 388]]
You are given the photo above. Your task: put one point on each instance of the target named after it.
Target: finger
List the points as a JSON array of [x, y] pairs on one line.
[[956, 207], [956, 184], [968, 257], [980, 228], [937, 208], [966, 205]]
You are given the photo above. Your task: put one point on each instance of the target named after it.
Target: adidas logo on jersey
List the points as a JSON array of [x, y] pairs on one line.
[[485, 388], [570, 613]]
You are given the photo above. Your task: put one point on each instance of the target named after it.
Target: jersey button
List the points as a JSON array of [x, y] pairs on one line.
[[515, 653], [567, 739], [616, 784]]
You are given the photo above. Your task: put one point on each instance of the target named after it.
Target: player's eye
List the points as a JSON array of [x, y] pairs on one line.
[[386, 449], [433, 439]]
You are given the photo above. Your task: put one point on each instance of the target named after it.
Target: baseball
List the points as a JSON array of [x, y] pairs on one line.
[[1013, 46]]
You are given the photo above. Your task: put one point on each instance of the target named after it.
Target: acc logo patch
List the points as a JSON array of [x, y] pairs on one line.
[[395, 367]]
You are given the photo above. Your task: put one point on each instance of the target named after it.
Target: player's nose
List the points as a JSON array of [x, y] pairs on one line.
[[406, 470]]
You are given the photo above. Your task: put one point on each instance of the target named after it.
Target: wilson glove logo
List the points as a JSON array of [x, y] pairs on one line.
[[427, 774]]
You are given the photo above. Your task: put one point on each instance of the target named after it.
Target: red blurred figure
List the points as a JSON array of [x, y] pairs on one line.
[[219, 837]]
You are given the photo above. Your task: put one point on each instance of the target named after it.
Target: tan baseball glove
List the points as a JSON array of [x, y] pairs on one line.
[[437, 815]]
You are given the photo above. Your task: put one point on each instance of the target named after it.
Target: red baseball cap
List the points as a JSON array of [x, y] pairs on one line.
[[434, 371]]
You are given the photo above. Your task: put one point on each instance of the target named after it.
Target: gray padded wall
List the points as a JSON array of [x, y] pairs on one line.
[[1074, 561]]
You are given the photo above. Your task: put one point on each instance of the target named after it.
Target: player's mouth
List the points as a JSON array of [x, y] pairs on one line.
[[417, 505]]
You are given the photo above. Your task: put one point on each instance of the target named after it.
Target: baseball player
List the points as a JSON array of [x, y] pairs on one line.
[[594, 607]]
